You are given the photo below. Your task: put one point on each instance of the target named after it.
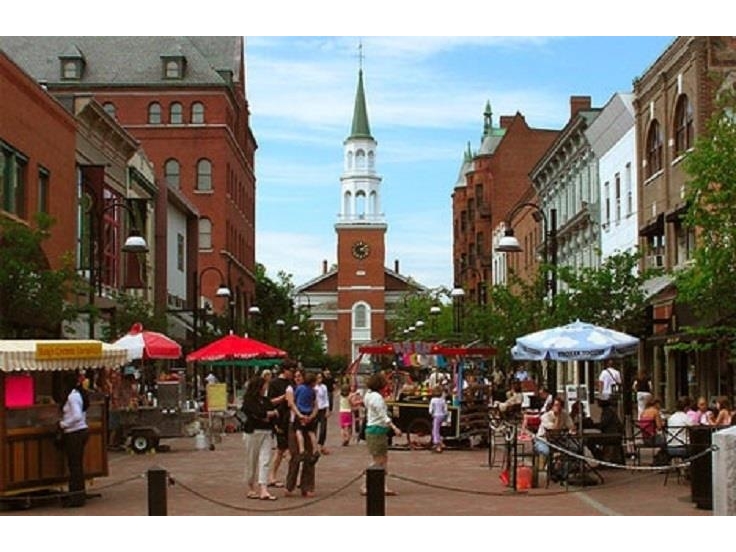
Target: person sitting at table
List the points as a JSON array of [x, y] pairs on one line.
[[546, 397], [514, 399], [554, 420], [608, 447], [676, 431], [577, 411], [650, 423], [723, 412]]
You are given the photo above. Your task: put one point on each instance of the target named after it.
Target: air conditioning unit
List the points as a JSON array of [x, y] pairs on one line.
[[655, 261]]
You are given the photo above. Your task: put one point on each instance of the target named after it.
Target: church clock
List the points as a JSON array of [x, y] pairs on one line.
[[360, 250]]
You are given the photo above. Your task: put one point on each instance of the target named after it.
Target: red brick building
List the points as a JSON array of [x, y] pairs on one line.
[[37, 169], [491, 182], [183, 99]]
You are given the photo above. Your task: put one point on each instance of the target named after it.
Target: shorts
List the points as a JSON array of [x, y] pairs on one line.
[[377, 444], [282, 438], [304, 428], [346, 419]]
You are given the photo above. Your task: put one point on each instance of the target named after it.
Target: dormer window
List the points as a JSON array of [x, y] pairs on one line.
[[72, 64], [173, 67]]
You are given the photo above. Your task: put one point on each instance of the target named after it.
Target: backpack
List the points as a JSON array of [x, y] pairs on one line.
[[615, 387]]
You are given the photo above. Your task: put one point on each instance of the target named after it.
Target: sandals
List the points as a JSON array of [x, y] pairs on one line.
[[277, 484], [268, 497], [253, 495]]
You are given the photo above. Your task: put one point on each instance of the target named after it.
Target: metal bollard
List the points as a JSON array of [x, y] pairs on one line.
[[157, 480], [375, 484]]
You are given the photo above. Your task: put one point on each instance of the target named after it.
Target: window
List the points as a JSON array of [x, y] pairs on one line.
[[13, 181], [197, 113], [607, 205], [171, 172], [683, 125], [43, 190], [172, 69], [180, 252], [109, 108], [176, 114], [204, 175], [205, 234], [617, 191], [360, 317], [173, 66], [71, 69], [154, 114], [654, 149], [629, 191]]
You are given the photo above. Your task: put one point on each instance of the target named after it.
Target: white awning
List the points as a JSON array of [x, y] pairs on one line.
[[61, 354], [654, 285]]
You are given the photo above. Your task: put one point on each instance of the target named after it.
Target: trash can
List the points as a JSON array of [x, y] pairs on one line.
[[701, 469]]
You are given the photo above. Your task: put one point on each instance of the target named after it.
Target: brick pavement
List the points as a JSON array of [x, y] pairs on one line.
[[454, 483]]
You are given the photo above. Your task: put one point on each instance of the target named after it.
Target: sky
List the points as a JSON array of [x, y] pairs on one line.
[[425, 99]]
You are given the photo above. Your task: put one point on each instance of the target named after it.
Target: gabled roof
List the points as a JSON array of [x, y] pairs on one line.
[[128, 60], [393, 281]]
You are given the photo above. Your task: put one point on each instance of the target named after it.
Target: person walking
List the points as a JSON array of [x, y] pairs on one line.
[[323, 413], [75, 430], [438, 411], [260, 417], [378, 424]]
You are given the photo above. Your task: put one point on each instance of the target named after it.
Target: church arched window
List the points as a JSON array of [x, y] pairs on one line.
[[371, 159], [349, 160], [347, 204], [360, 204], [373, 203], [361, 316], [360, 159]]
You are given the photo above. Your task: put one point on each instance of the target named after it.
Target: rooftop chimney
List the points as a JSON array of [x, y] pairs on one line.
[[396, 266], [324, 266], [577, 104]]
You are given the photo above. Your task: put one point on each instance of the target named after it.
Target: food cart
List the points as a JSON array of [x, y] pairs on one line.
[[408, 398], [30, 373]]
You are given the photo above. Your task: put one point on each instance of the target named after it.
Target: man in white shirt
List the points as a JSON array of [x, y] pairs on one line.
[[677, 430], [607, 379]]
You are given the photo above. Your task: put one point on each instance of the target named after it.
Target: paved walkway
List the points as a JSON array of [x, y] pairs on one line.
[[454, 483]]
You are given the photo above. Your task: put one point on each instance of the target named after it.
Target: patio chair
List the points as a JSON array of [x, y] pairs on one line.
[[677, 450]]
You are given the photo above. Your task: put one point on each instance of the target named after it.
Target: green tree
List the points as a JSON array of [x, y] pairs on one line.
[[32, 295], [707, 284]]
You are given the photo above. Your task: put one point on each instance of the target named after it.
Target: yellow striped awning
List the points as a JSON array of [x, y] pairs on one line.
[[60, 354]]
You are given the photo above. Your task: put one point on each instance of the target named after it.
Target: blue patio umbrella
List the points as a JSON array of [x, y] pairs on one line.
[[575, 341]]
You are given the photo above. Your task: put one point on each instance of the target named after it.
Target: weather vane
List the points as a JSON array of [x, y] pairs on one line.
[[360, 54]]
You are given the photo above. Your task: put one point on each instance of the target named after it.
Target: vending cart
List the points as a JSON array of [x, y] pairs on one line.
[[30, 379]]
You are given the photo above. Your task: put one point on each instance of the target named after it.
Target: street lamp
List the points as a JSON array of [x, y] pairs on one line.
[[458, 296], [434, 312], [280, 323], [509, 244], [134, 243], [479, 284], [253, 311], [222, 291]]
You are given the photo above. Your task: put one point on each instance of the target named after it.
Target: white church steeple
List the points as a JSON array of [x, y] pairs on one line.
[[360, 185]]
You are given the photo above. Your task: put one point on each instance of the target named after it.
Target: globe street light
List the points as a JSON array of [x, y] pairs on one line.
[[458, 296], [222, 291]]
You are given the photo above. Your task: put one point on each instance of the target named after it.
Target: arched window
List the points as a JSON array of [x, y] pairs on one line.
[[654, 149], [176, 114], [109, 108], [360, 159], [350, 160], [204, 175], [371, 160], [154, 114], [172, 69], [373, 203], [197, 113], [360, 316], [360, 204], [171, 172], [205, 234], [683, 125], [347, 207]]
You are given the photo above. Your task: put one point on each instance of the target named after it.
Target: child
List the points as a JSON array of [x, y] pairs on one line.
[[438, 411], [356, 401], [346, 415], [305, 399]]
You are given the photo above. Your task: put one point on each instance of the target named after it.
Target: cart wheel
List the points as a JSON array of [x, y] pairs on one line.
[[140, 443], [419, 433]]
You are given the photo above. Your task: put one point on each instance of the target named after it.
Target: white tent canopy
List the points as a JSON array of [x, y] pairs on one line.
[[62, 354]]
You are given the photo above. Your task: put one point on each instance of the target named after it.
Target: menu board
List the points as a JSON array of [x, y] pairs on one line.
[[216, 397]]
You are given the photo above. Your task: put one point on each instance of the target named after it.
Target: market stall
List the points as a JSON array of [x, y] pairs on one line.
[[30, 374]]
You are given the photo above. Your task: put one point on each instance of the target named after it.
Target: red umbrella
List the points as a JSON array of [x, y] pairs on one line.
[[235, 347], [144, 344]]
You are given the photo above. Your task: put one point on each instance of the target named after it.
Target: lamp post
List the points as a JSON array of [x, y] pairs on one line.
[[295, 332], [134, 243], [280, 323], [479, 286], [434, 312], [509, 244], [458, 297], [222, 291], [253, 311]]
